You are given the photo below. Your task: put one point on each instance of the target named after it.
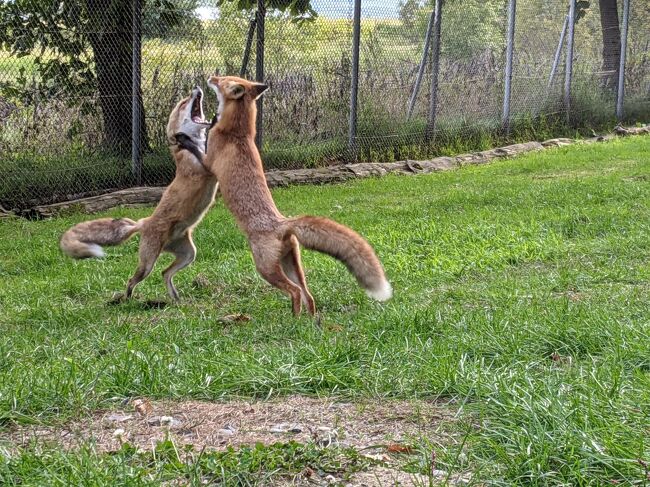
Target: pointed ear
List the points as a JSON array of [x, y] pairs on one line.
[[258, 90], [235, 90]]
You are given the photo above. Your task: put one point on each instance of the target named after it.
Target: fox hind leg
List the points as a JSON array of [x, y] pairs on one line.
[[185, 252], [267, 254], [292, 267], [150, 248]]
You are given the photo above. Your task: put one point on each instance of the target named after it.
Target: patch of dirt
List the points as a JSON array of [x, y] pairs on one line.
[[374, 477], [383, 430], [216, 425], [387, 477], [381, 476]]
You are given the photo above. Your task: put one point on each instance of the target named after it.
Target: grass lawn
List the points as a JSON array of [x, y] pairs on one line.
[[522, 294]]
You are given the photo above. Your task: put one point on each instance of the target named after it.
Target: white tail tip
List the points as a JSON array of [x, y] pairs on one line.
[[381, 293], [96, 251]]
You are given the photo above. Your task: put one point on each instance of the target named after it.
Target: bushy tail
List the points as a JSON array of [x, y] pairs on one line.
[[344, 244], [86, 239]]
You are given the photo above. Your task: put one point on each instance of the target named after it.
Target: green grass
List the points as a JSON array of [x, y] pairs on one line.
[[258, 465], [521, 292]]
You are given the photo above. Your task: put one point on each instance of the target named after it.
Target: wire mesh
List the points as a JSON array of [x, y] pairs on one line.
[[637, 68], [66, 91]]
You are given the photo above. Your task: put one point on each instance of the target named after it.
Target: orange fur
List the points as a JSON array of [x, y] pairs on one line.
[[181, 208], [86, 239], [234, 159]]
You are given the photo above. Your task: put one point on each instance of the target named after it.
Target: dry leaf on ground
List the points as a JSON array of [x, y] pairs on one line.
[[235, 318], [398, 448], [142, 406]]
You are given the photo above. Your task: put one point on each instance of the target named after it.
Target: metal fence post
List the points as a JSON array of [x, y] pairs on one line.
[[247, 49], [510, 43], [259, 69], [568, 71], [423, 65], [435, 68], [136, 109], [621, 69], [558, 53], [354, 88]]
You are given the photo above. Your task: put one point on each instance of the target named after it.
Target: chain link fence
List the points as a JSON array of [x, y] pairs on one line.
[[73, 122]]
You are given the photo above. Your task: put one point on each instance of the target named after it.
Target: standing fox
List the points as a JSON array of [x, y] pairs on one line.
[[181, 208], [274, 240]]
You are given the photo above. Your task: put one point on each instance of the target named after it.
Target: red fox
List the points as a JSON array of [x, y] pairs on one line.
[[181, 208], [274, 240]]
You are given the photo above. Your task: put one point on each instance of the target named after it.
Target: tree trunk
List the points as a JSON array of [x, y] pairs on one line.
[[110, 37], [611, 42]]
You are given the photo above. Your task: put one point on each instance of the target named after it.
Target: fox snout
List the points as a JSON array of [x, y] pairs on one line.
[[213, 81]]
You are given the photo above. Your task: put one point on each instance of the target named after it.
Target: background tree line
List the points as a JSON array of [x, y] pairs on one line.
[[84, 47]]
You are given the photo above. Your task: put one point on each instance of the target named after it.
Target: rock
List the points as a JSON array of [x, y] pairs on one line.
[[380, 457], [325, 436], [332, 174], [227, 431], [455, 479], [163, 421], [119, 418], [286, 428]]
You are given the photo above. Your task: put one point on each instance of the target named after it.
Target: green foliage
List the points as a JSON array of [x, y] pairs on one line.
[[30, 182], [298, 10], [33, 183], [469, 27], [581, 9], [54, 32], [57, 35], [163, 18], [256, 465], [408, 12]]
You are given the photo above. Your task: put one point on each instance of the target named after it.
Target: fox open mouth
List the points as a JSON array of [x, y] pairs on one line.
[[197, 109]]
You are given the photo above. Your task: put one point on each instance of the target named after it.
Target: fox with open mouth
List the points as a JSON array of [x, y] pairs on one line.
[[181, 208]]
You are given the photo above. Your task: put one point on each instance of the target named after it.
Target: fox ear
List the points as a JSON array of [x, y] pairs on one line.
[[258, 90], [236, 90]]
